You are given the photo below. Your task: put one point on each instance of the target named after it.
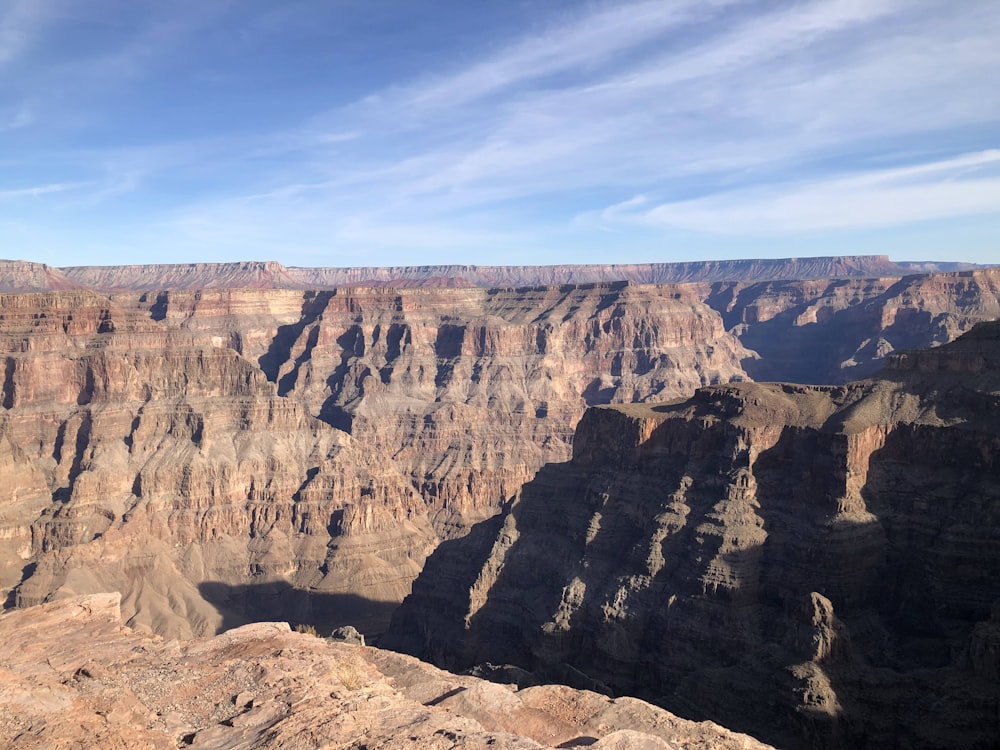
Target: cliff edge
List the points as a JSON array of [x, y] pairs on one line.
[[72, 675]]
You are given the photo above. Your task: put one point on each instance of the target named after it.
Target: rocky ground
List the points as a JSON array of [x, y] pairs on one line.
[[73, 676]]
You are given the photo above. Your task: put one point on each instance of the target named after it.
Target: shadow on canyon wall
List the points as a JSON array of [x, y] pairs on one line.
[[802, 341], [859, 632], [279, 601]]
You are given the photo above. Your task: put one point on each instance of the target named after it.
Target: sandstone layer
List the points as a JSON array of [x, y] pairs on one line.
[[273, 275], [71, 675], [188, 448], [818, 566]]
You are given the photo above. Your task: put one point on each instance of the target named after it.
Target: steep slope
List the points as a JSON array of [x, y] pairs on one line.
[[819, 566], [472, 390], [72, 676], [139, 457], [637, 273], [24, 276]]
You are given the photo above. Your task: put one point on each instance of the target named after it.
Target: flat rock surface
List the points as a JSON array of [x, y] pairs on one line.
[[72, 675]]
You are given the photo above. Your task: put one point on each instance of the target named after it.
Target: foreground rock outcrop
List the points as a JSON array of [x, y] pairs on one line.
[[71, 675], [819, 566]]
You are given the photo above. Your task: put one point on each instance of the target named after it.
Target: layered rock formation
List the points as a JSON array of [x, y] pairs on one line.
[[132, 418], [836, 330], [819, 566], [144, 449], [471, 391], [71, 675], [24, 276], [146, 458]]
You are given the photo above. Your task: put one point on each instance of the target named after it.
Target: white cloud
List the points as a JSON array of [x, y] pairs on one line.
[[18, 118], [757, 108], [760, 93], [759, 100], [961, 186], [584, 43], [40, 190]]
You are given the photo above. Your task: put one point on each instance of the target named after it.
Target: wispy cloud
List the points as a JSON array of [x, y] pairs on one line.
[[586, 43], [773, 87], [17, 118], [965, 185], [747, 99], [614, 116], [20, 20], [40, 190]]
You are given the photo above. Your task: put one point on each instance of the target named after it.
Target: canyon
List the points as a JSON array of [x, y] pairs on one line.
[[234, 443], [818, 566]]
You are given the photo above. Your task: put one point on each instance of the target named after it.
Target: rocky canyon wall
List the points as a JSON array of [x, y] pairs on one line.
[[145, 458], [818, 566], [269, 274], [190, 448]]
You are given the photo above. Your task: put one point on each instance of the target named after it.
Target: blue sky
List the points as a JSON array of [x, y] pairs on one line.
[[387, 132]]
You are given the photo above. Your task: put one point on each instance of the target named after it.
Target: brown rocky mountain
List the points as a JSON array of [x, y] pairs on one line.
[[473, 390], [139, 456], [23, 276], [183, 447], [71, 675], [816, 565]]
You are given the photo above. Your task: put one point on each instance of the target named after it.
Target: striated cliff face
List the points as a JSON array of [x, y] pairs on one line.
[[819, 566], [471, 391], [24, 276], [144, 458], [187, 447], [837, 330], [273, 275], [166, 445], [71, 675]]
